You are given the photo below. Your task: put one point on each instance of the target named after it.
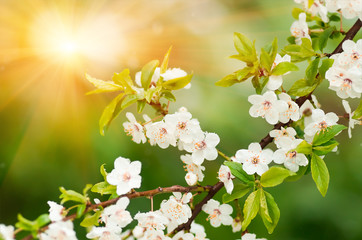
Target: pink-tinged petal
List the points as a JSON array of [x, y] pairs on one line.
[[210, 154], [226, 209], [262, 168], [279, 156], [270, 96], [254, 147], [274, 82], [212, 139], [255, 99]]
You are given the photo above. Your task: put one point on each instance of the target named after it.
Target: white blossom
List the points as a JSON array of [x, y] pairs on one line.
[[6, 232], [55, 211], [154, 234], [138, 231], [183, 236], [351, 122], [162, 134], [176, 208], [105, 233], [218, 214], [186, 128], [293, 109], [278, 135], [117, 215], [267, 106], [194, 171], [321, 122], [59, 231], [306, 111], [349, 8], [291, 159], [251, 236], [255, 160], [275, 81], [199, 231], [299, 29], [134, 129], [204, 147], [125, 175], [225, 176], [152, 220], [352, 54]]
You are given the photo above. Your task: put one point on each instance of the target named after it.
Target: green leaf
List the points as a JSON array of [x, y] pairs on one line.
[[42, 220], [102, 86], [227, 81], [326, 64], [249, 59], [243, 44], [244, 74], [237, 170], [103, 172], [80, 210], [164, 64], [325, 148], [325, 135], [323, 37], [238, 192], [110, 112], [301, 88], [283, 68], [256, 84], [269, 211], [91, 220], [358, 112], [169, 96], [291, 39], [129, 100], [302, 170], [147, 72], [70, 195], [25, 224], [141, 105], [275, 176], [265, 60], [311, 72], [320, 174], [274, 49], [124, 80], [104, 188], [251, 208], [296, 12], [306, 48], [304, 148], [177, 83]]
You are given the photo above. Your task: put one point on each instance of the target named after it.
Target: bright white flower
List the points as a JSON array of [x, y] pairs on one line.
[[105, 233], [291, 159], [350, 8], [352, 54], [236, 225], [55, 211], [275, 81], [277, 134], [199, 231], [138, 231], [226, 177], [152, 220], [299, 29], [267, 106], [153, 234], [321, 122], [183, 236], [187, 129], [162, 134], [255, 160], [306, 111], [251, 236], [59, 231], [134, 129], [218, 214], [176, 208], [117, 215], [173, 73], [346, 82], [352, 122], [155, 77], [293, 109], [125, 175], [6, 232], [204, 147], [317, 7], [194, 171]]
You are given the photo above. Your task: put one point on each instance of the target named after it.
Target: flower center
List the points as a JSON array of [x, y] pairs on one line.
[[292, 154], [267, 105], [163, 131], [355, 56], [322, 125], [255, 160], [347, 82], [126, 176], [136, 127], [200, 145], [181, 125]]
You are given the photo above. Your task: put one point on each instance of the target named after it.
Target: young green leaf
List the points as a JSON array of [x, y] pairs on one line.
[[327, 134], [91, 220], [251, 208], [147, 72], [164, 63], [265, 60], [326, 64], [42, 220], [169, 96], [275, 176], [25, 224], [302, 170], [124, 80], [325, 148], [238, 192], [256, 84], [141, 105], [269, 212], [274, 49], [237, 170], [283, 68], [296, 12], [301, 88], [244, 74], [306, 48], [358, 112], [104, 188], [177, 83], [311, 72], [102, 86], [320, 174], [70, 195], [103, 172], [80, 210], [129, 100], [228, 80], [243, 44], [304, 148], [323, 37], [110, 112]]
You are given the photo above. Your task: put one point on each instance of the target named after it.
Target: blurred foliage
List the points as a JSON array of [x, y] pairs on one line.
[[49, 128]]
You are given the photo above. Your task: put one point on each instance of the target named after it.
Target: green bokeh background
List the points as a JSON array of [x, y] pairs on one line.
[[51, 139]]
